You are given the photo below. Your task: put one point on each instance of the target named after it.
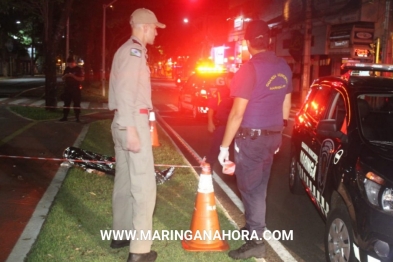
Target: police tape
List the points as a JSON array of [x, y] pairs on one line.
[[84, 161], [60, 107]]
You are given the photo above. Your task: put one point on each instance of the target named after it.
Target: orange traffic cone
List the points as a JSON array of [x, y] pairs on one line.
[[153, 129], [205, 227]]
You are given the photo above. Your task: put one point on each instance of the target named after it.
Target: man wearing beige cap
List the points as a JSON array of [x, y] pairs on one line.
[[134, 192]]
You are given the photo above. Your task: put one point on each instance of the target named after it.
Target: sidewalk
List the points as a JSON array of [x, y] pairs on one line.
[[23, 182]]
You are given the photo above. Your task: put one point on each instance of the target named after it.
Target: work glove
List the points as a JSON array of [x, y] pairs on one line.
[[224, 155]]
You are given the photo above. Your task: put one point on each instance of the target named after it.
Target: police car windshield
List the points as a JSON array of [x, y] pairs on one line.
[[376, 117]]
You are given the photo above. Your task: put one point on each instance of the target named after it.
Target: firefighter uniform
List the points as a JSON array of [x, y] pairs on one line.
[[134, 193]]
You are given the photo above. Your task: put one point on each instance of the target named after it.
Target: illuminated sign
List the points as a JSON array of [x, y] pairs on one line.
[[238, 23], [339, 44], [363, 35], [362, 52], [218, 55]]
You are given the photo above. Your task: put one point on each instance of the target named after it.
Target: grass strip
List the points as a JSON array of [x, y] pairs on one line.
[[83, 207], [41, 114], [91, 92], [38, 114]]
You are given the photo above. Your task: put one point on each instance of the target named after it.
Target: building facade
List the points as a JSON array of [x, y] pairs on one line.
[[341, 31]]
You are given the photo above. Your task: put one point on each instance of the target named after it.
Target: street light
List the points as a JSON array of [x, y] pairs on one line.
[[103, 46]]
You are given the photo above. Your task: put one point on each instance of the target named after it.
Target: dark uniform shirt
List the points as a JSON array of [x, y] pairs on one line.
[[264, 81], [70, 82], [221, 103]]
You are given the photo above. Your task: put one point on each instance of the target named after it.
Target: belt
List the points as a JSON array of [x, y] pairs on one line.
[[144, 111], [254, 133], [141, 111]]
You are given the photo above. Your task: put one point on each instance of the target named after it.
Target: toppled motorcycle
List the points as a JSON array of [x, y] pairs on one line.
[[102, 164]]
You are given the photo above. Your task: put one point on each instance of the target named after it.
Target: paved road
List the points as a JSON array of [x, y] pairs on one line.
[[284, 212], [12, 86]]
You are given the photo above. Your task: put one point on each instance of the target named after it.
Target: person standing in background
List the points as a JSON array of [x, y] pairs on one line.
[[73, 76], [220, 104]]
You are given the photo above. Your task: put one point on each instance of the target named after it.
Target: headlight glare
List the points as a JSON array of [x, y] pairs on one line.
[[372, 191], [387, 199]]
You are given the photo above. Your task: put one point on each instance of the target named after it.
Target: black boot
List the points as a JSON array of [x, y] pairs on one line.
[[120, 243], [77, 114], [63, 119], [252, 248], [145, 257]]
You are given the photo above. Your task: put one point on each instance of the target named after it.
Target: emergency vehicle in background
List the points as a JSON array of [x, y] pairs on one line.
[[194, 93]]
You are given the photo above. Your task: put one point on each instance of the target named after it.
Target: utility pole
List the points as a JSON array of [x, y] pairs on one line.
[[306, 53], [67, 39], [103, 46], [386, 35]]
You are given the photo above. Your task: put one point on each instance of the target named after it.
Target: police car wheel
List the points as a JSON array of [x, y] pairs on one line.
[[339, 236], [295, 185]]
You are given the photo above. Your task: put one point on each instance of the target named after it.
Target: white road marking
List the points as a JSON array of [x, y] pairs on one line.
[[18, 101], [85, 104], [38, 103], [173, 107]]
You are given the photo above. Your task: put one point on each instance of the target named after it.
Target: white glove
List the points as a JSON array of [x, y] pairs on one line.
[[224, 155]]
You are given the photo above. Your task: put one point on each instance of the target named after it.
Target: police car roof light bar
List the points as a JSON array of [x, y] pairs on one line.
[[369, 67]]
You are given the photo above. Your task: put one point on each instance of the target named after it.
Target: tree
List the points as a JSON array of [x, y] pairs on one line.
[[54, 15]]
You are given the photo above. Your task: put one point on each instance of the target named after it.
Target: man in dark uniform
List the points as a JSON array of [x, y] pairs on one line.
[[220, 104], [134, 192], [73, 76], [262, 99]]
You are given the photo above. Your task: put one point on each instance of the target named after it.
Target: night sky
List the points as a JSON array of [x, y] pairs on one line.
[[177, 38]]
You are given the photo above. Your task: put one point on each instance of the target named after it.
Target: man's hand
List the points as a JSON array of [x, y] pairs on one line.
[[133, 142], [67, 75], [224, 155]]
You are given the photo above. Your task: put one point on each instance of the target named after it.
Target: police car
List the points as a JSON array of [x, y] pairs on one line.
[[342, 156], [194, 93]]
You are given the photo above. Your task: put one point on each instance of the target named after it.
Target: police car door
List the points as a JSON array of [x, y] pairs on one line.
[[315, 110], [331, 149]]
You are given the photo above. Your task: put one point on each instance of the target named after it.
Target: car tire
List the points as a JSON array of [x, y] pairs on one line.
[[339, 236], [295, 185]]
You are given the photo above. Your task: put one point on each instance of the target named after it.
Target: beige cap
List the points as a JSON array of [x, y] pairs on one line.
[[145, 16]]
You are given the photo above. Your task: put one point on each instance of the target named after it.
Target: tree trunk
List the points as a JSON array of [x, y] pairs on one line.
[[50, 79], [52, 37]]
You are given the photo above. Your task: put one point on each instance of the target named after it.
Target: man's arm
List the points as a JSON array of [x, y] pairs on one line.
[[210, 123], [286, 107], [234, 120], [77, 78], [133, 142], [126, 72]]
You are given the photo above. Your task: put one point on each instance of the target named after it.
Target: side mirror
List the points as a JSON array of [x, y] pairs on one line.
[[328, 128]]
